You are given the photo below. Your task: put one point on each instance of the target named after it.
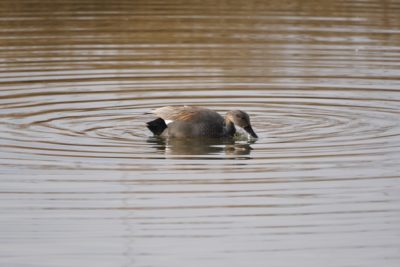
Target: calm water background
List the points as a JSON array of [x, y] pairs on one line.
[[83, 183]]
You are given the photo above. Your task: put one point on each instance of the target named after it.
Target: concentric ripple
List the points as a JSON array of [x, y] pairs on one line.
[[99, 125]]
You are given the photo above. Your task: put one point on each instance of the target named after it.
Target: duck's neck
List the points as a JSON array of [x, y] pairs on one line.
[[230, 129]]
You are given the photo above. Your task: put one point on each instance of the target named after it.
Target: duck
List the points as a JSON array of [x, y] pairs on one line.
[[194, 121]]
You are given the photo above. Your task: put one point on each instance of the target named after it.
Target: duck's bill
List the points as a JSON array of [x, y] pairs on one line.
[[250, 131]]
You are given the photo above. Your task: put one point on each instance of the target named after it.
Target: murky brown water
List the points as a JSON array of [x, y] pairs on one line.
[[83, 183]]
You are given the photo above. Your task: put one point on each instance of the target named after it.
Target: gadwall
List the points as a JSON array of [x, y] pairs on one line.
[[191, 121]]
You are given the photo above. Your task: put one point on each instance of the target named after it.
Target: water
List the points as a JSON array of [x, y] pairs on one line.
[[83, 182]]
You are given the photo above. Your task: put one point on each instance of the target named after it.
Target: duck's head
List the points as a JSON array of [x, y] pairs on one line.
[[241, 119]]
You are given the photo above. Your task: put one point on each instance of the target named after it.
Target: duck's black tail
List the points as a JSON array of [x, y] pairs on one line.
[[157, 126]]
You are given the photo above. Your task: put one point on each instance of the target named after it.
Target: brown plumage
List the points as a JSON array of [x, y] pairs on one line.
[[180, 113], [192, 121]]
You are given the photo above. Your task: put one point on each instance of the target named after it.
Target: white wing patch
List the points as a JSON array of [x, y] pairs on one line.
[[168, 121]]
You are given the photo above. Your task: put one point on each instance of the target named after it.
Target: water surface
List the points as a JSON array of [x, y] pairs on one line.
[[83, 182]]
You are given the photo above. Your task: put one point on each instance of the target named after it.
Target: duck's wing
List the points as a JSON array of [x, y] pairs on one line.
[[180, 113]]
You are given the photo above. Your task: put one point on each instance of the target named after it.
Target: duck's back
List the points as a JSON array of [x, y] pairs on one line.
[[188, 121]]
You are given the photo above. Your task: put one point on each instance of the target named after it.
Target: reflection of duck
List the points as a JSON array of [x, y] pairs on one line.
[[200, 146], [190, 121]]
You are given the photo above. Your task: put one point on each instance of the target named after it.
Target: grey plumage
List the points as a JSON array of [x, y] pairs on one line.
[[192, 121]]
